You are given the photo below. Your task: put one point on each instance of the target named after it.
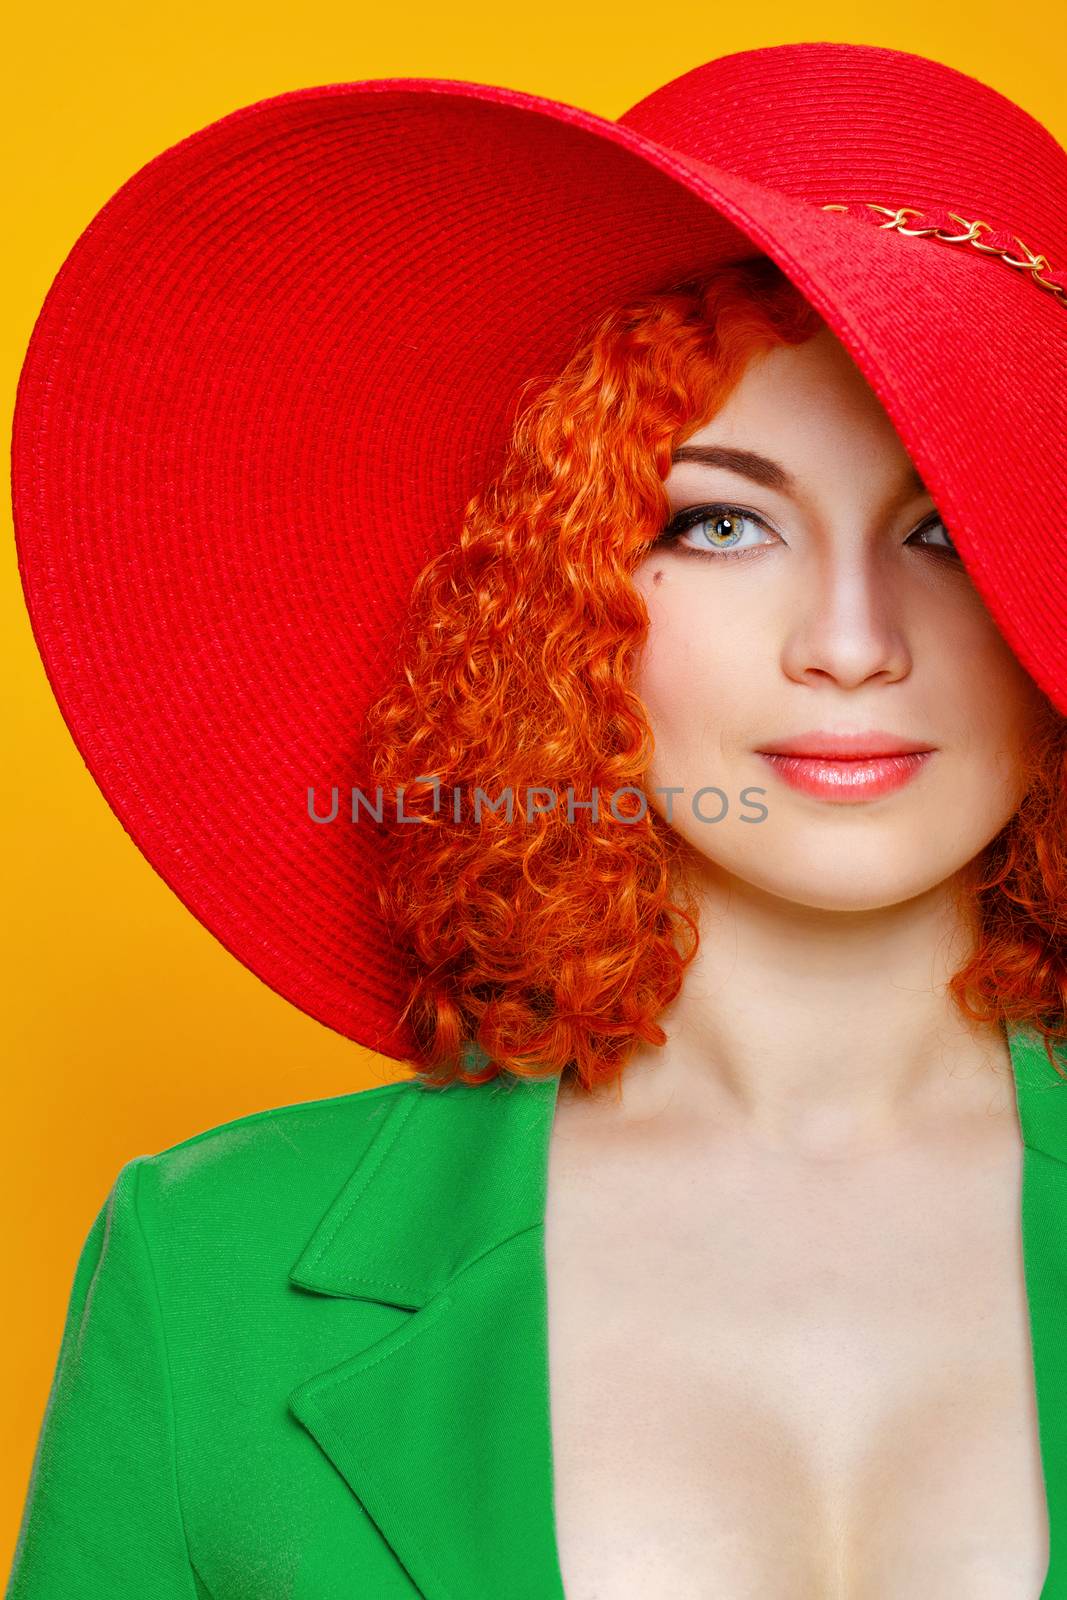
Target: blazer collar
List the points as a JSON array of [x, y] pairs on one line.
[[1041, 1096], [441, 1427]]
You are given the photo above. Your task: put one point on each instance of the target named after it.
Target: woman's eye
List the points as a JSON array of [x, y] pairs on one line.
[[722, 530], [935, 536], [717, 529]]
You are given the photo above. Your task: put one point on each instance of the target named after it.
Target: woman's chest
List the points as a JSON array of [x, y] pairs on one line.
[[793, 1391]]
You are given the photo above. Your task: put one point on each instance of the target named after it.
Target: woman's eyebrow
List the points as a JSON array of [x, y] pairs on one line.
[[761, 469]]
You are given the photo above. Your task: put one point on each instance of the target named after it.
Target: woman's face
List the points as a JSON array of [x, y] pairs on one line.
[[817, 596]]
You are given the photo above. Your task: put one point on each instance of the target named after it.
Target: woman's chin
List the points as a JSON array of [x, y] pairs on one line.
[[853, 880]]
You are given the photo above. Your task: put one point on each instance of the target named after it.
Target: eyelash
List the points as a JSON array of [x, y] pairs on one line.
[[691, 515]]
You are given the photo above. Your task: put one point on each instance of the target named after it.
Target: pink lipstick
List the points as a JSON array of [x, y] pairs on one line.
[[847, 767]]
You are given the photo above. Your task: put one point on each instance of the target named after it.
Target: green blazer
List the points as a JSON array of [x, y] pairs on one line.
[[305, 1356]]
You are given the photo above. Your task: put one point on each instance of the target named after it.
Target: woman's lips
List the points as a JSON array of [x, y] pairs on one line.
[[846, 779]]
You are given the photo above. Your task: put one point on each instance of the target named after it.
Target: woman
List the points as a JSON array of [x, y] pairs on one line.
[[605, 1300], [732, 1324]]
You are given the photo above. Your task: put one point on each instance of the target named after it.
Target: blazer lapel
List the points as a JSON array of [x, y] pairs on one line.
[[442, 1428], [1041, 1095]]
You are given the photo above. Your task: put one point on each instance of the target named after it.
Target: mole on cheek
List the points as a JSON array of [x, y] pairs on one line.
[[657, 575]]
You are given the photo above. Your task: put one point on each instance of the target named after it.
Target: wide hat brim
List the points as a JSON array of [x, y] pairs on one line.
[[278, 363]]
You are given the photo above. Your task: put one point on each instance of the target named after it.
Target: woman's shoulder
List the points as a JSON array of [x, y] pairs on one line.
[[301, 1124], [261, 1182], [233, 1201], [277, 1162]]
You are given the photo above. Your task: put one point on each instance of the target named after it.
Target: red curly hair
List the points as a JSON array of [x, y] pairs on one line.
[[552, 945]]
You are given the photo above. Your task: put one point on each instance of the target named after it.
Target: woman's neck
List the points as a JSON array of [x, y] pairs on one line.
[[818, 1030]]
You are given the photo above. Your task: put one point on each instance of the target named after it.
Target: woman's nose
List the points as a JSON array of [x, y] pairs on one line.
[[847, 626]]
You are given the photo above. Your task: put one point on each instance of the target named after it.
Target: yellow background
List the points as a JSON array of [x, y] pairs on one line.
[[128, 1027]]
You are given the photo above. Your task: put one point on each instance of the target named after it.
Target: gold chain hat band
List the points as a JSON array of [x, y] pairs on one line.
[[999, 244]]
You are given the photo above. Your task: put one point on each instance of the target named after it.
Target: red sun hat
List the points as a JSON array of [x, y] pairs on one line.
[[281, 359]]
